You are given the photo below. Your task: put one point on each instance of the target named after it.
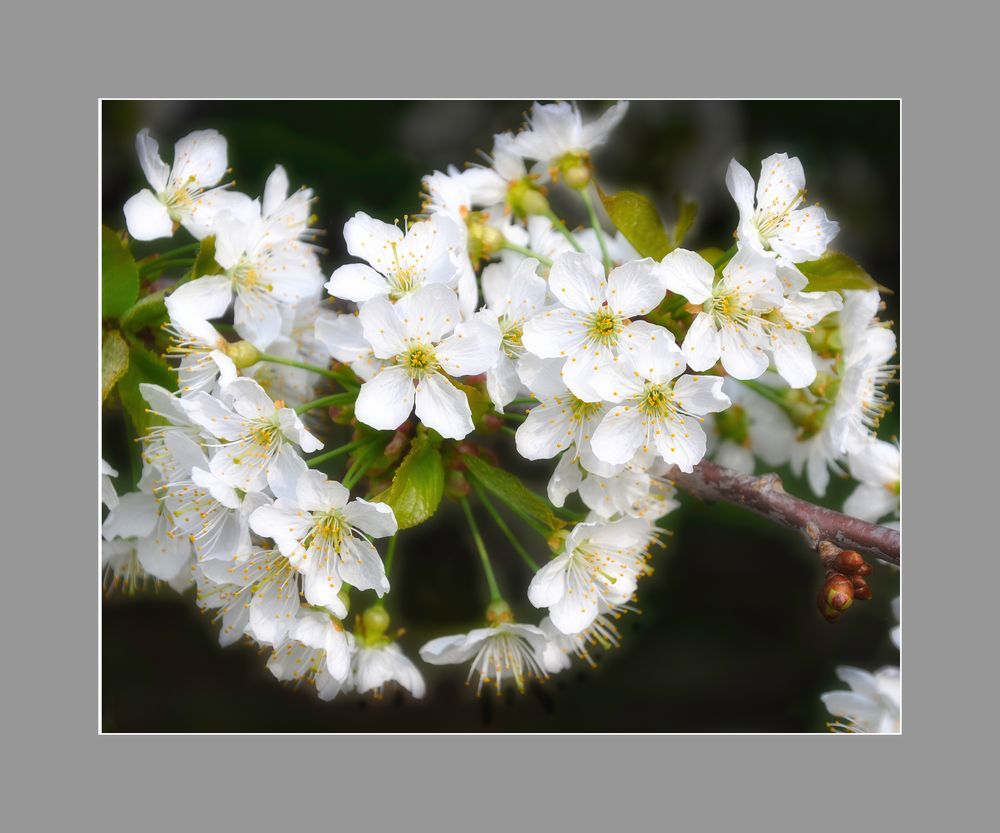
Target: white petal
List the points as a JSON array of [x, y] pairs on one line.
[[157, 171], [577, 281], [199, 159], [372, 240], [473, 348], [375, 519], [361, 566], [548, 585], [202, 299], [385, 401], [146, 217], [443, 407], [554, 333], [356, 282], [547, 431], [689, 274], [382, 327], [741, 352], [701, 394], [429, 313], [621, 433], [635, 287], [702, 344]]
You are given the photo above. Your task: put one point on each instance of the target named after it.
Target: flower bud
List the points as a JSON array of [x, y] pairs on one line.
[[849, 561], [524, 198], [491, 423], [836, 596], [456, 486], [375, 621], [575, 169], [861, 589], [243, 354]]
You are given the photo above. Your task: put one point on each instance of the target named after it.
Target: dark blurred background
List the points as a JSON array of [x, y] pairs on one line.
[[729, 638]]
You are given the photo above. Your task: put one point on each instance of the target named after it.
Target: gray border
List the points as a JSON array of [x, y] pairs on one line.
[[161, 783]]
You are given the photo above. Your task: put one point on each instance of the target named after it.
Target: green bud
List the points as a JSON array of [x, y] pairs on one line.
[[243, 354], [525, 199], [576, 169], [376, 622]]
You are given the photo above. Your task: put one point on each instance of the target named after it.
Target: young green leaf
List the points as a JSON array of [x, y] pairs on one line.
[[204, 263], [417, 486], [119, 275], [114, 361], [512, 491], [687, 211], [636, 217], [836, 271], [150, 311], [143, 366]]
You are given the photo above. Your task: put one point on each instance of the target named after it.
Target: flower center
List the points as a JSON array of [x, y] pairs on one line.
[[657, 400], [604, 326], [420, 361], [511, 334], [585, 410], [403, 277], [246, 277]]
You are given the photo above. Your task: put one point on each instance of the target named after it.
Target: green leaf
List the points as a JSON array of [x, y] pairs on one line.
[[836, 271], [687, 211], [150, 311], [143, 366], [119, 275], [712, 254], [512, 491], [417, 486], [205, 263], [636, 217], [114, 361]]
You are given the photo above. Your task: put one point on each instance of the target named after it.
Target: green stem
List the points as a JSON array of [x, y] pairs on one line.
[[524, 250], [595, 223], [514, 416], [560, 226], [361, 464], [390, 554], [728, 256], [508, 430], [343, 378], [481, 548], [180, 250], [325, 401], [337, 452], [161, 264], [520, 550]]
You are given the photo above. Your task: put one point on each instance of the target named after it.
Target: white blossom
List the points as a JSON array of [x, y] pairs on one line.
[[421, 339], [777, 223]]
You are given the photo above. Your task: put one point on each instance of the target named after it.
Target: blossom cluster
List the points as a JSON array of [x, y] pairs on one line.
[[632, 366]]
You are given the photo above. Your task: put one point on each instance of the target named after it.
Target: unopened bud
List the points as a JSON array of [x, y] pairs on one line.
[[849, 561], [524, 198], [491, 423], [375, 620], [861, 589], [456, 485], [396, 446], [575, 169], [836, 596], [243, 353]]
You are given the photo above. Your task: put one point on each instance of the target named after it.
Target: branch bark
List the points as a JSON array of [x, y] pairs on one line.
[[766, 496]]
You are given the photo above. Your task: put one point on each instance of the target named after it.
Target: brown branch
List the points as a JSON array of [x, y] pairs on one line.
[[766, 496]]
